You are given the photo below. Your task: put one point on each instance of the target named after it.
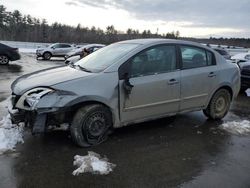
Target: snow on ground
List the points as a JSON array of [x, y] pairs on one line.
[[237, 127], [10, 134], [248, 92], [92, 163], [27, 50]]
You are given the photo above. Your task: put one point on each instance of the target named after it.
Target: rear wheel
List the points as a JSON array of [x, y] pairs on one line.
[[90, 125], [219, 105], [47, 56], [4, 60]]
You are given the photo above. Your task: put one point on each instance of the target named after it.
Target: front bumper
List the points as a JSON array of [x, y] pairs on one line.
[[39, 54], [37, 122], [17, 117]]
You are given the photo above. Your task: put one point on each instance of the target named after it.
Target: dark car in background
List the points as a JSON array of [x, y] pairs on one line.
[[245, 76], [223, 52], [8, 54]]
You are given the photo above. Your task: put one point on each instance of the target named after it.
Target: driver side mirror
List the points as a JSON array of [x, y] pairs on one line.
[[127, 86]]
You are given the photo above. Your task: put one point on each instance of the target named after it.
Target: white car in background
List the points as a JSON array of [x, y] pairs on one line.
[[54, 50], [241, 58], [78, 53]]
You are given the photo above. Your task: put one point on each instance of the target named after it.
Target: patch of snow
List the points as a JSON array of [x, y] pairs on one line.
[[92, 163], [10, 134], [237, 127], [27, 50], [248, 92]]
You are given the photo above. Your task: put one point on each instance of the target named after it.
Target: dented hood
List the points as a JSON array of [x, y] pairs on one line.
[[47, 78]]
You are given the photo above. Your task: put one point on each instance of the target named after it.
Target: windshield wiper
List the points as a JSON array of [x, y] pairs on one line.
[[84, 69]]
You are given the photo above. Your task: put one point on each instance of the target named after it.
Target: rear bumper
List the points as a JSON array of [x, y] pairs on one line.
[[15, 56]]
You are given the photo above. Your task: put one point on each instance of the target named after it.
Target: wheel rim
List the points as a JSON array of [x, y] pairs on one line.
[[47, 55], [221, 105], [3, 60], [95, 127]]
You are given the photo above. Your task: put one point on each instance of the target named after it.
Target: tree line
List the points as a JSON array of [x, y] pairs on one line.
[[15, 26]]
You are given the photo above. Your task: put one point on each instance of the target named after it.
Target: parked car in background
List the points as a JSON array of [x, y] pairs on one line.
[[79, 53], [241, 57], [8, 54], [223, 52], [125, 83], [54, 50], [245, 75]]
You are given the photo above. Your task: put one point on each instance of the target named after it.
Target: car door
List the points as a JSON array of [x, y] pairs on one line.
[[198, 76], [66, 48], [63, 49], [55, 49], [155, 78]]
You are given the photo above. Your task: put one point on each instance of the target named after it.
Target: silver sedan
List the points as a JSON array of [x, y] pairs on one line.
[[126, 83]]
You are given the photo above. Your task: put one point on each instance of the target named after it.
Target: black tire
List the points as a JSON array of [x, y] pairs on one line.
[[91, 125], [47, 55], [4, 60], [219, 105]]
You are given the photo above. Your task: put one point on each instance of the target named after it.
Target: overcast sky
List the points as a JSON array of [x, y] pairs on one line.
[[196, 18]]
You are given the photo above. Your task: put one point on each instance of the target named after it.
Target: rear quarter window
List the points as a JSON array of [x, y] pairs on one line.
[[3, 46]]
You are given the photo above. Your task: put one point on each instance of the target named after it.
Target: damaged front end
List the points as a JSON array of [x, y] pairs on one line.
[[40, 107]]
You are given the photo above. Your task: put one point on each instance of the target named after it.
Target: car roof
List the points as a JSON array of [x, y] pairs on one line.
[[220, 49], [163, 41], [92, 45]]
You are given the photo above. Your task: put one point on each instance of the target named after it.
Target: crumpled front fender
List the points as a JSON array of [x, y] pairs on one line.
[[54, 101]]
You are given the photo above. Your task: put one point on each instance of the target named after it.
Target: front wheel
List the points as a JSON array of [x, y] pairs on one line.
[[219, 105], [47, 56], [90, 125], [4, 60]]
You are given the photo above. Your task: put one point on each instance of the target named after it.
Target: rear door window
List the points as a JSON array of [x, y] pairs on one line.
[[65, 46], [193, 57]]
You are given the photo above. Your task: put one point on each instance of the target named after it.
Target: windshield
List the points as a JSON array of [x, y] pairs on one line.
[[103, 58], [52, 45]]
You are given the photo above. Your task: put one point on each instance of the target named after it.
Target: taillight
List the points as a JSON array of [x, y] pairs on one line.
[[16, 50]]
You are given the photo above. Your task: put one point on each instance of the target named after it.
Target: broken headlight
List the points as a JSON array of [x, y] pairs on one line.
[[30, 99]]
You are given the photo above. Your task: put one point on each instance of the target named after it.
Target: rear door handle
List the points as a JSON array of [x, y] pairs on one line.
[[173, 81], [211, 74]]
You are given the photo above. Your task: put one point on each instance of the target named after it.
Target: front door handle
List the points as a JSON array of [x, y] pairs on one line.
[[211, 74], [173, 81]]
